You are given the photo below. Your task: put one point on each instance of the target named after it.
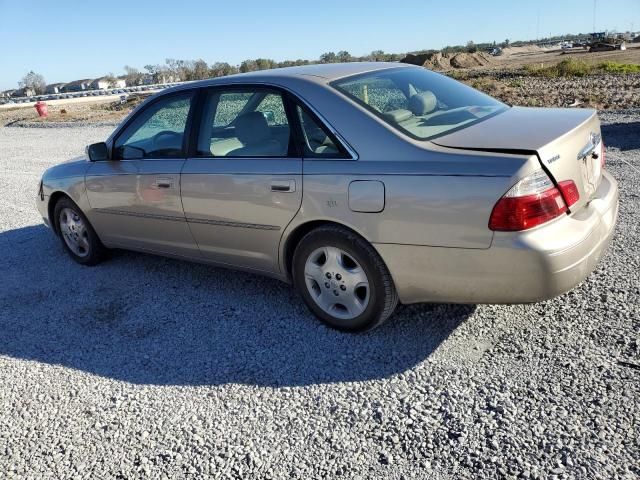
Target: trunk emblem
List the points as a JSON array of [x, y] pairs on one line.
[[553, 159]]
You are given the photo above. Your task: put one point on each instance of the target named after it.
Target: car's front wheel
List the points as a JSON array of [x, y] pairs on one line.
[[77, 235], [343, 280]]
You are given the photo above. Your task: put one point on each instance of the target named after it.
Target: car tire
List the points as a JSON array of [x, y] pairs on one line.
[[343, 280], [78, 237]]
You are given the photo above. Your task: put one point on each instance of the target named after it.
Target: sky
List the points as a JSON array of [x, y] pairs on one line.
[[67, 40]]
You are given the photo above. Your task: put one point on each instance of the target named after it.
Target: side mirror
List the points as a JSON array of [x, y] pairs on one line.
[[98, 152]]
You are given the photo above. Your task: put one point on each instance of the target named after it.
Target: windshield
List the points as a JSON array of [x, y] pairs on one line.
[[421, 103]]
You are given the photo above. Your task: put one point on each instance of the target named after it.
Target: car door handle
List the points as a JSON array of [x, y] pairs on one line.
[[283, 186], [164, 183]]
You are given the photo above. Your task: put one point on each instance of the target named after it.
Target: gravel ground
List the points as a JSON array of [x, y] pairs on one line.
[[145, 366], [601, 91]]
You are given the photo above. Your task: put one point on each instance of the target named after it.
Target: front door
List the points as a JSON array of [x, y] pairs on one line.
[[135, 197], [244, 185]]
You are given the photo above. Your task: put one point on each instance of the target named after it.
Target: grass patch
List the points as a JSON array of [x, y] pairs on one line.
[[565, 68], [615, 67], [486, 85], [458, 75], [580, 68]]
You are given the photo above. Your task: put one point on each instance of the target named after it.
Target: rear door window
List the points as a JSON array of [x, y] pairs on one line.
[[247, 122], [232, 104]]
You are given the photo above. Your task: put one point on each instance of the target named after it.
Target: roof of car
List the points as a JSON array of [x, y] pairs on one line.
[[324, 71], [330, 71]]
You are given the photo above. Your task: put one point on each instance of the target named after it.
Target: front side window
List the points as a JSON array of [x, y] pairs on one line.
[[249, 122], [156, 132], [418, 102]]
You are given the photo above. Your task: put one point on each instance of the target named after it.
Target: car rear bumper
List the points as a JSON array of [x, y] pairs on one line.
[[519, 267]]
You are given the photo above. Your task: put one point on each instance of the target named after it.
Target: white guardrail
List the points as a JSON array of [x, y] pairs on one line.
[[87, 93]]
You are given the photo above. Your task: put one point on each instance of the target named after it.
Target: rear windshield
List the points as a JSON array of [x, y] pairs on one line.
[[421, 103]]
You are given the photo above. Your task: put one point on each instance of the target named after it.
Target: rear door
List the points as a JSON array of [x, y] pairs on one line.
[[135, 196], [243, 184]]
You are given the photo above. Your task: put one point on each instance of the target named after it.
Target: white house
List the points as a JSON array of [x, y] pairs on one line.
[[24, 92], [54, 88], [105, 83], [77, 85]]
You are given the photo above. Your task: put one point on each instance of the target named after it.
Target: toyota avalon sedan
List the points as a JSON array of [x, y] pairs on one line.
[[363, 184]]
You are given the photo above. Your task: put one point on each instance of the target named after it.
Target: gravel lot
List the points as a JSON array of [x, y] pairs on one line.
[[608, 92], [148, 366]]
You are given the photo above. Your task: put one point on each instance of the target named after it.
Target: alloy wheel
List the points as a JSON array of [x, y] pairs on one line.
[[337, 283], [74, 232]]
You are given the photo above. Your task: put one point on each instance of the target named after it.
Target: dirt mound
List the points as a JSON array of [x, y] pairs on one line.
[[448, 61], [470, 60], [527, 49]]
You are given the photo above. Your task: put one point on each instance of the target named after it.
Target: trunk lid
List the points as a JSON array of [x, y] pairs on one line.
[[563, 139]]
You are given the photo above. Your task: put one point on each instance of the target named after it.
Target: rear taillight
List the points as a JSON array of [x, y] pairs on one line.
[[569, 191], [532, 201]]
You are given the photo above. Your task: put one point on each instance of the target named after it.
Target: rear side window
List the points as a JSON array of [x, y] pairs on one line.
[[156, 132], [317, 141], [246, 122]]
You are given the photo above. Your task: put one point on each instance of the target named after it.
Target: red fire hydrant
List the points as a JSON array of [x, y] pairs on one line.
[[41, 107]]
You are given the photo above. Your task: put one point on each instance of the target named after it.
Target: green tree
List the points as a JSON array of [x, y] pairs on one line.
[[199, 70], [222, 69], [265, 63], [344, 56], [329, 57], [378, 56], [248, 66]]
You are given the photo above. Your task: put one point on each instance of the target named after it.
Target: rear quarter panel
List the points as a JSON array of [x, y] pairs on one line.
[[444, 200]]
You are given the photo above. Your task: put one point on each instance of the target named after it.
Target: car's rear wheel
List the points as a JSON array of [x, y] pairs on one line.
[[343, 280], [77, 235]]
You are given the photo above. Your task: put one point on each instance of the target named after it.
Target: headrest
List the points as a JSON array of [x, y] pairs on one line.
[[252, 128], [397, 116], [423, 103]]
